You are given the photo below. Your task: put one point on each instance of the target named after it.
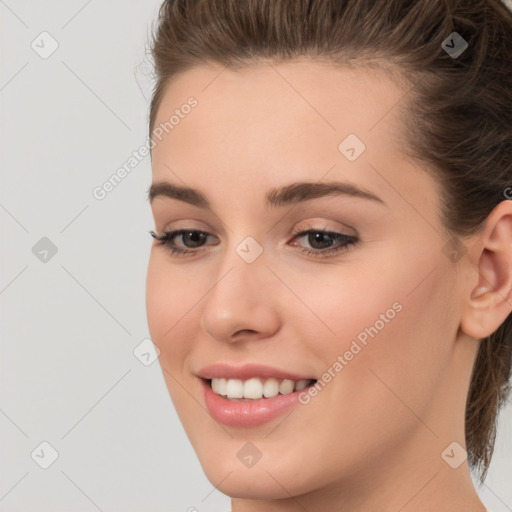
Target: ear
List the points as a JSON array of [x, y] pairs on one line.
[[489, 302]]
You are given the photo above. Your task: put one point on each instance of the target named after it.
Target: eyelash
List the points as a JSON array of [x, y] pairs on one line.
[[349, 242]]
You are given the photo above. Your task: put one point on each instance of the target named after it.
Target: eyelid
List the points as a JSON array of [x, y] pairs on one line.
[[190, 224], [319, 224], [322, 225]]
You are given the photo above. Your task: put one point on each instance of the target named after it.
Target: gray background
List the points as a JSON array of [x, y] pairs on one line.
[[71, 321]]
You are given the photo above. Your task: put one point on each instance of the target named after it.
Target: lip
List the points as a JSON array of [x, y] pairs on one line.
[[246, 371], [247, 413]]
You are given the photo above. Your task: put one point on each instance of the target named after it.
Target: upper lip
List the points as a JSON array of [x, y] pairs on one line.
[[246, 371]]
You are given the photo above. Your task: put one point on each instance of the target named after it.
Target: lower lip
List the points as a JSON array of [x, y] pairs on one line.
[[247, 413]]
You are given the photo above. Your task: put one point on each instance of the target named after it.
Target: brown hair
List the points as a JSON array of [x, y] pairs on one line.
[[459, 109]]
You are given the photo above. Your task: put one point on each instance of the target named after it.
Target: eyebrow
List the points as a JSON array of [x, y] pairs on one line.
[[276, 197]]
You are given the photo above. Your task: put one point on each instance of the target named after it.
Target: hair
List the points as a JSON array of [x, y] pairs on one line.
[[457, 114]]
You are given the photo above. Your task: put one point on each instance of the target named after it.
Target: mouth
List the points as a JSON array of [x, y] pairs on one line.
[[251, 402], [250, 394], [256, 388]]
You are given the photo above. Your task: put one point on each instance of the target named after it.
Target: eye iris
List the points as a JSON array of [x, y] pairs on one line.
[[315, 237], [196, 236]]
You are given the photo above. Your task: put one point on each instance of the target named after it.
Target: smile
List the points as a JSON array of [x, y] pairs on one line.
[[251, 412], [256, 388]]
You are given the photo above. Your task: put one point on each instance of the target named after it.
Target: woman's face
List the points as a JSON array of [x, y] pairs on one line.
[[374, 323]]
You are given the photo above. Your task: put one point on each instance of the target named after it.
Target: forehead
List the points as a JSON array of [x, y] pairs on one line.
[[273, 123], [272, 97], [298, 104]]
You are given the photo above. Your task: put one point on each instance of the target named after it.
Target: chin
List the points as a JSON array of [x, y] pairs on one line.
[[271, 478], [249, 484]]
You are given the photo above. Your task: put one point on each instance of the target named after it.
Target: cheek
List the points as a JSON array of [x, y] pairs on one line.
[[168, 306], [392, 320], [339, 305], [169, 299], [159, 305], [404, 360]]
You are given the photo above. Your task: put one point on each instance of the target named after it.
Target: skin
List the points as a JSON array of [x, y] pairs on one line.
[[372, 439]]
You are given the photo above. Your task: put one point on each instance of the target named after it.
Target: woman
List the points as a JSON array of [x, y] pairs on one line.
[[329, 284]]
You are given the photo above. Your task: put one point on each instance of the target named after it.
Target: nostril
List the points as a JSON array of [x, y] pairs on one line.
[[244, 332]]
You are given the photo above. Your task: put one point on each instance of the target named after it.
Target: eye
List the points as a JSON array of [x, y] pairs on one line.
[[321, 241], [167, 240]]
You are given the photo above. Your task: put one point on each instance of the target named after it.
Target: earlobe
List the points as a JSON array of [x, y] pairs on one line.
[[488, 303]]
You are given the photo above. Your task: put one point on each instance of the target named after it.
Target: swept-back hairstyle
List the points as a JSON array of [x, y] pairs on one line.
[[457, 110]]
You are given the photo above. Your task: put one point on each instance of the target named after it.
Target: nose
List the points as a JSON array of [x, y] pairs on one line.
[[242, 304]]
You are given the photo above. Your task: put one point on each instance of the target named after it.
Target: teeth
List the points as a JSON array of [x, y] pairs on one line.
[[286, 387], [256, 388], [253, 388], [271, 388], [234, 388], [301, 384], [219, 386]]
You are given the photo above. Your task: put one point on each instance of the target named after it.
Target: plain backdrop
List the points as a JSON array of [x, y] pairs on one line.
[[74, 396]]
